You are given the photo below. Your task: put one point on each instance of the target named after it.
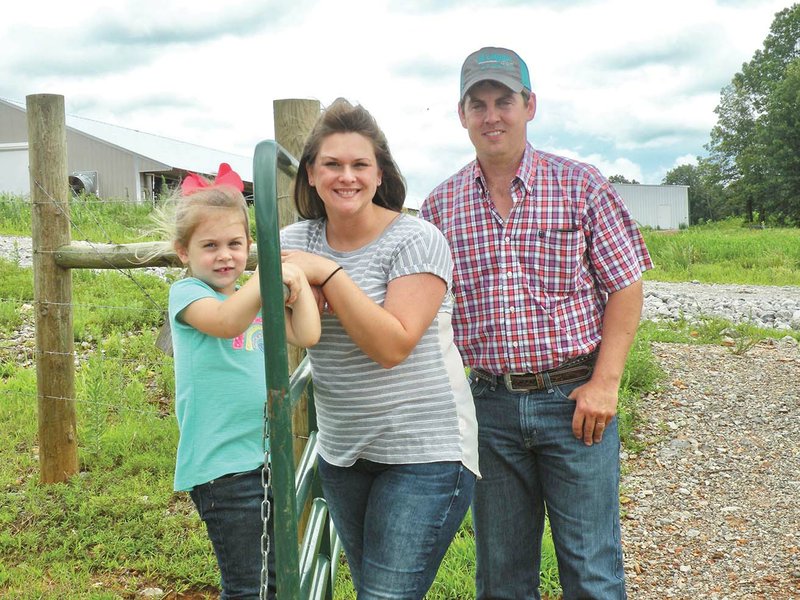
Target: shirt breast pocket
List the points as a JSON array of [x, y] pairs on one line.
[[556, 256]]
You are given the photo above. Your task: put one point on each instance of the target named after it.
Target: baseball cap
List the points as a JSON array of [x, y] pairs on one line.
[[495, 64]]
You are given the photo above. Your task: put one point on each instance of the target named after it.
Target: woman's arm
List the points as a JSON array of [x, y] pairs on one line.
[[386, 334]]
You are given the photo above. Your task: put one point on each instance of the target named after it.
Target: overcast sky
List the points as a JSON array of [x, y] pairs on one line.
[[627, 85]]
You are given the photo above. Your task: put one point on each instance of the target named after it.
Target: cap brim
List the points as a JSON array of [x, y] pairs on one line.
[[511, 83]]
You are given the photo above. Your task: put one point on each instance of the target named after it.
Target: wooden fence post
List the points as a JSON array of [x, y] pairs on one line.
[[55, 370], [293, 122]]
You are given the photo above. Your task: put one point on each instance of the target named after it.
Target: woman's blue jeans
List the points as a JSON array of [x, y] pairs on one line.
[[396, 521], [531, 462], [231, 509]]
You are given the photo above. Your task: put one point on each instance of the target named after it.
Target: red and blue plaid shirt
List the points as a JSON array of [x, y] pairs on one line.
[[531, 291]]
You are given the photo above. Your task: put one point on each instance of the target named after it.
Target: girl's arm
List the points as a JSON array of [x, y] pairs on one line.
[[388, 333], [225, 318], [303, 327]]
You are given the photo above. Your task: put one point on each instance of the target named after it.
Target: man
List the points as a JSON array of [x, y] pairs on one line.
[[547, 280]]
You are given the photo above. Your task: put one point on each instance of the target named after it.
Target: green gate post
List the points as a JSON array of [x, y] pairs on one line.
[[276, 364], [307, 573]]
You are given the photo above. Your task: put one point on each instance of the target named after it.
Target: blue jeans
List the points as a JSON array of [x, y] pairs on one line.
[[531, 462], [396, 521], [231, 509]]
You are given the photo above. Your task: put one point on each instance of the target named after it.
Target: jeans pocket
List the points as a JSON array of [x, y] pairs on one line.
[[563, 391], [477, 386]]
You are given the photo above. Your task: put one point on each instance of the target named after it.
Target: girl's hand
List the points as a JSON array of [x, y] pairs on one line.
[[293, 278]]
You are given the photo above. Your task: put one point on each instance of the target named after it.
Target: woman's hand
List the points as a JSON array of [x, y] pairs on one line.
[[317, 268]]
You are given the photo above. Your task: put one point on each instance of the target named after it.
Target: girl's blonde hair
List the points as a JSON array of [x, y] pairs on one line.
[[178, 218]]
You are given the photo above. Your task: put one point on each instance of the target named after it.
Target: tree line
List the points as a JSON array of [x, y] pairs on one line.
[[752, 169]]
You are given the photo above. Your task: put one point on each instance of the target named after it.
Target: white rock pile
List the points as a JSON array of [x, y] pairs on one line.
[[768, 307]]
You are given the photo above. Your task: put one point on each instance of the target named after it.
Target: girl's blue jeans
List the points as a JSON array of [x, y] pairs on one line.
[[531, 463], [396, 521], [231, 509]]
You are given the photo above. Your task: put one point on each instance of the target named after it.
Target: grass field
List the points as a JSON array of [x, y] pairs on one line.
[[117, 527], [726, 252]]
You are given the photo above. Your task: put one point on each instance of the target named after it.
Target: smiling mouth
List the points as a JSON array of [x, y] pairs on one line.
[[493, 133], [348, 193]]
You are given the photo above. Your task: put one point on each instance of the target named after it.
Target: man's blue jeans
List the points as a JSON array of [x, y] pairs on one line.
[[231, 509], [396, 521], [530, 461]]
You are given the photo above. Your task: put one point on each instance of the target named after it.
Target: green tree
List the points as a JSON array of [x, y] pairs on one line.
[[781, 139], [707, 199], [621, 179], [740, 149]]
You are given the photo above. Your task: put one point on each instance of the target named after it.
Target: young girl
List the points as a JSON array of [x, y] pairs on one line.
[[219, 372]]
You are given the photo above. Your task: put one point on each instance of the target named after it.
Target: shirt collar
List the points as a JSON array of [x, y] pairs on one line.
[[526, 173]]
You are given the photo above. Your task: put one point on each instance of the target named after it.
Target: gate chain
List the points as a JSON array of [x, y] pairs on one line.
[[266, 483]]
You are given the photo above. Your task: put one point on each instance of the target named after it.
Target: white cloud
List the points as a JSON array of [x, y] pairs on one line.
[[626, 85]]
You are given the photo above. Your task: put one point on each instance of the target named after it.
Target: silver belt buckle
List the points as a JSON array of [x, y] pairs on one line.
[[510, 386]]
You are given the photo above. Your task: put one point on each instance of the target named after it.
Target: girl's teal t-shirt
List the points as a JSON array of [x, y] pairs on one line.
[[220, 389]]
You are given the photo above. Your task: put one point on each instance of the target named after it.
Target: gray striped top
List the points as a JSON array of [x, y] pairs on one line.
[[419, 411]]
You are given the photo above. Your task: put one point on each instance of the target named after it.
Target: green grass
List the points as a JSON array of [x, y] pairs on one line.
[[726, 253], [103, 221], [117, 527]]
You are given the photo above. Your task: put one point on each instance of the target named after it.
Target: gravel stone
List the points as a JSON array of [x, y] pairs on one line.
[[710, 505], [768, 307]]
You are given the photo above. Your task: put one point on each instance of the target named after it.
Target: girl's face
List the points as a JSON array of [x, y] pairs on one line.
[[217, 251], [345, 173]]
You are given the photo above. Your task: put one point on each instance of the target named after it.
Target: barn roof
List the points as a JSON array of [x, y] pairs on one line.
[[173, 154]]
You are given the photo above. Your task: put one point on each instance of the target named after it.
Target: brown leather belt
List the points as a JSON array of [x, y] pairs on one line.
[[575, 370]]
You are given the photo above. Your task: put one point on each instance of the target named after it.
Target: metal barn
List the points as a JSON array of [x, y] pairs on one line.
[[656, 206], [110, 161]]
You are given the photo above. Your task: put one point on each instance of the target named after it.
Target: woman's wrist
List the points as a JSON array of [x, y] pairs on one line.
[[330, 276]]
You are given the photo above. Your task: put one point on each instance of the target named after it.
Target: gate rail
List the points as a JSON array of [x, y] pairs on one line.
[[307, 571]]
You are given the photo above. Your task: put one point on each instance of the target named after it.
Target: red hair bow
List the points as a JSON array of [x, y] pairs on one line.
[[225, 176]]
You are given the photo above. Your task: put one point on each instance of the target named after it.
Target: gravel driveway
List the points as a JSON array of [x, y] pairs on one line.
[[711, 505]]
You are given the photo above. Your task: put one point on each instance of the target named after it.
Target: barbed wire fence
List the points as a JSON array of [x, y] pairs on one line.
[[99, 355], [92, 353], [59, 329]]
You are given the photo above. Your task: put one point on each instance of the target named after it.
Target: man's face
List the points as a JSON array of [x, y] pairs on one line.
[[496, 119]]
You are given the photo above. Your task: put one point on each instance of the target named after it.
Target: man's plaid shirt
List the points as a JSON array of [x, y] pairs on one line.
[[531, 291]]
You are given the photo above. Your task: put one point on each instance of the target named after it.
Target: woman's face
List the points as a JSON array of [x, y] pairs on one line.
[[345, 173]]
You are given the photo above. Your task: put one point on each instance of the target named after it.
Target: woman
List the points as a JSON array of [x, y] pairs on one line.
[[397, 428]]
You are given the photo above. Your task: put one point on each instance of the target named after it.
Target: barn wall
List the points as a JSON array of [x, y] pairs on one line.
[[656, 206]]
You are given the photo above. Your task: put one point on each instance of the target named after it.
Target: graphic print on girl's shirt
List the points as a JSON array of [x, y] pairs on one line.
[[252, 340]]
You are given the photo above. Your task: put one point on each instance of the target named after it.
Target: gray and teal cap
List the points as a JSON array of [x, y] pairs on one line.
[[495, 64]]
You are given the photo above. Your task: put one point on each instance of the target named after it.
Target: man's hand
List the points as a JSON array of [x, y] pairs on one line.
[[595, 406]]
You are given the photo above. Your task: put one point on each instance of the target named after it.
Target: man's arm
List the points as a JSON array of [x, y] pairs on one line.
[[596, 400]]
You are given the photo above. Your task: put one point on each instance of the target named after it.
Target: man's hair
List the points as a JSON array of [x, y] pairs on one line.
[[493, 84], [343, 117]]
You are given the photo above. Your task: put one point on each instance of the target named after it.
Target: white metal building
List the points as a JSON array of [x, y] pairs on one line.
[[110, 161], [656, 206]]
